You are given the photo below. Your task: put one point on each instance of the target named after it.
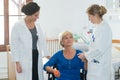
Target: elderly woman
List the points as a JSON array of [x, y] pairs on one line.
[[67, 60]]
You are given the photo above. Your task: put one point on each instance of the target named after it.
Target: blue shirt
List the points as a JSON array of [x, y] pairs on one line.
[[69, 68]]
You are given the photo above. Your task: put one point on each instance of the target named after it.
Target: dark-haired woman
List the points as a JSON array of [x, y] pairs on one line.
[[28, 44]]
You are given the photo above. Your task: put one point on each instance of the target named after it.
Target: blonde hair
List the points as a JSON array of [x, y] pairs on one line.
[[96, 9], [62, 35]]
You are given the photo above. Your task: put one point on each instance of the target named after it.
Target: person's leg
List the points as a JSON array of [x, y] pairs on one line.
[[35, 65]]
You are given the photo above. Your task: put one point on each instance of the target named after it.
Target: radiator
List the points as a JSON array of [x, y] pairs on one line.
[[53, 45]]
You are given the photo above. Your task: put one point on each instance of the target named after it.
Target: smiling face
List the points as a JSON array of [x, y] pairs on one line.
[[35, 16]]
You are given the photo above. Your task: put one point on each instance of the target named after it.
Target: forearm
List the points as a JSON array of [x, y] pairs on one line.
[[54, 71], [49, 69], [85, 64]]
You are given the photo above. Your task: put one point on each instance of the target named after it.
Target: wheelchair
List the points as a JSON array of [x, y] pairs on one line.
[[83, 74]]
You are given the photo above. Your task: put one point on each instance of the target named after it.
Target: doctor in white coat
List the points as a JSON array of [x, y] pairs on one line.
[[99, 54], [28, 45]]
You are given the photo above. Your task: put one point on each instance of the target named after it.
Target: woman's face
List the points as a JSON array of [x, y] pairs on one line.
[[67, 40], [93, 18], [35, 16]]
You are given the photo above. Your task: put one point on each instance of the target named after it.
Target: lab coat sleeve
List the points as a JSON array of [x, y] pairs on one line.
[[93, 55], [101, 45], [15, 44]]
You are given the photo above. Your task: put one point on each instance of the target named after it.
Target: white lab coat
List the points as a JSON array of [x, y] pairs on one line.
[[100, 50], [21, 49]]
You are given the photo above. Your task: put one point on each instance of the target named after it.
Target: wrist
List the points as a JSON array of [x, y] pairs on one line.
[[50, 70]]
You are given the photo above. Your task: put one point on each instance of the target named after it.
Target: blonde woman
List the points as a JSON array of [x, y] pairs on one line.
[[67, 60], [99, 54]]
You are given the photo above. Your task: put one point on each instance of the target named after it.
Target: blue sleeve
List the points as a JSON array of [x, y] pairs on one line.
[[51, 61]]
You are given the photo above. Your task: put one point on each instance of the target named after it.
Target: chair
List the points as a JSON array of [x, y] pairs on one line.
[[83, 74]]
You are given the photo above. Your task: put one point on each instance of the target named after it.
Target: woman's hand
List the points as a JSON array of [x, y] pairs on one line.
[[48, 57], [18, 67], [56, 73], [82, 56]]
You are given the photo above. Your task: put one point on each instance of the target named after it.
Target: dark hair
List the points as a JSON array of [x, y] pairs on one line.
[[30, 8], [96, 9]]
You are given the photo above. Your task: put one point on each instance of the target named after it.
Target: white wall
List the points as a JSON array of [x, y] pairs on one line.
[[59, 15], [113, 18]]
